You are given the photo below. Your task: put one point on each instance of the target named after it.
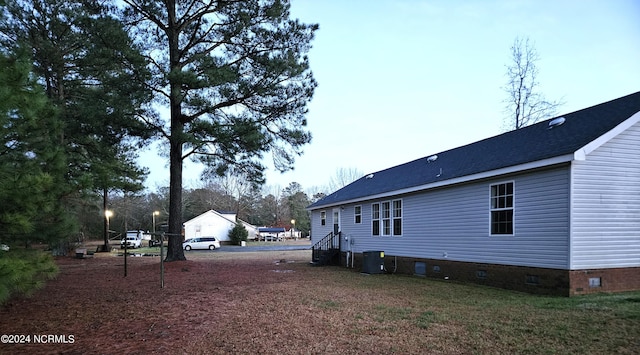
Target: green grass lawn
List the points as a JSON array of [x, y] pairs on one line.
[[486, 320]]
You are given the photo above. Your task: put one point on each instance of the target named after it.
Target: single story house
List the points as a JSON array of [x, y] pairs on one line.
[[215, 224], [550, 208]]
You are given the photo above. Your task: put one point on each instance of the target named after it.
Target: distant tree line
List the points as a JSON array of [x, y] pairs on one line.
[[257, 206]]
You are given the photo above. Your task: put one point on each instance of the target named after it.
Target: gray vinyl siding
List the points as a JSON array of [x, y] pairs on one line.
[[453, 223], [605, 221], [318, 231]]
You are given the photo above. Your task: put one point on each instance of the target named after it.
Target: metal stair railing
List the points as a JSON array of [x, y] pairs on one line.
[[325, 249]]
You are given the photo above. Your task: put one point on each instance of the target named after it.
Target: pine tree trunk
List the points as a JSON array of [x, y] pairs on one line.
[[174, 247]]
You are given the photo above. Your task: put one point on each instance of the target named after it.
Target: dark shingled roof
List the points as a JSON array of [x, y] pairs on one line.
[[525, 145]]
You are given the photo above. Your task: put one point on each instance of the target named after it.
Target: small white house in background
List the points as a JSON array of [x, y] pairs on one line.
[[215, 224], [272, 233]]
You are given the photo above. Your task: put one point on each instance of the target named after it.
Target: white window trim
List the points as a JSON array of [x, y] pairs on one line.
[[513, 209], [357, 214], [391, 218], [373, 219], [382, 219]]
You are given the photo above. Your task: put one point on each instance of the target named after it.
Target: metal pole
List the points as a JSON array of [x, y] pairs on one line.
[[105, 201], [125, 254], [154, 214], [162, 260]]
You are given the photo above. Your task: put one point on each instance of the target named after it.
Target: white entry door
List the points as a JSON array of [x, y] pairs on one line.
[[336, 228]]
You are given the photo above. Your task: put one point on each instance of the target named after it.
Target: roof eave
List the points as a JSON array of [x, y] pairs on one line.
[[463, 179], [202, 215], [580, 154]]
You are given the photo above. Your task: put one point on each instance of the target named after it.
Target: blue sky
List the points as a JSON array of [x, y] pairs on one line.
[[400, 80]]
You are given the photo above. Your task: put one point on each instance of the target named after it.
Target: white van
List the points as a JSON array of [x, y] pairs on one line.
[[210, 243]]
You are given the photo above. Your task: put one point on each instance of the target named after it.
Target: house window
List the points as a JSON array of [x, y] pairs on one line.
[[397, 217], [386, 218], [357, 211], [323, 218], [502, 209], [375, 219]]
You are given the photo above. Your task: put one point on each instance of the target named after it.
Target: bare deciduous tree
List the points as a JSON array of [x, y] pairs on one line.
[[343, 177], [524, 104]]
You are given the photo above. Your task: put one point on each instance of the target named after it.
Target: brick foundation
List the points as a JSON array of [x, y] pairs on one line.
[[519, 278], [610, 280]]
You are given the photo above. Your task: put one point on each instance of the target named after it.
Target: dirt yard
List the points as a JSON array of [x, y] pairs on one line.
[[214, 303], [276, 303], [226, 299]]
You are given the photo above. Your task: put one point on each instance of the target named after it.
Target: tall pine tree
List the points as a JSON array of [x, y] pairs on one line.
[[94, 75], [236, 79], [31, 162]]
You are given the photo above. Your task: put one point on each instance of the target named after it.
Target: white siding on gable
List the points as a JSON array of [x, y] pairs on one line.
[[605, 221], [454, 223], [208, 224]]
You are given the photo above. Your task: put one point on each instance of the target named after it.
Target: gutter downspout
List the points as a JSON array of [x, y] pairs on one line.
[[351, 242]]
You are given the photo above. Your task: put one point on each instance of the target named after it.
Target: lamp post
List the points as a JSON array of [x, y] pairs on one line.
[[155, 213], [293, 227], [107, 215], [161, 238]]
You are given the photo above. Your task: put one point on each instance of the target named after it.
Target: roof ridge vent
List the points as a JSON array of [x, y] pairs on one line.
[[370, 176], [556, 122], [432, 158]]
